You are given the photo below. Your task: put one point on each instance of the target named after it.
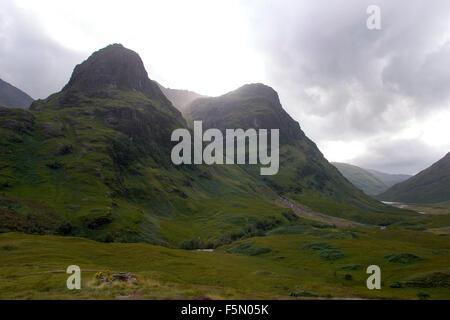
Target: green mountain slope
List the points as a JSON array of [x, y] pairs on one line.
[[389, 178], [361, 178], [94, 160], [12, 97], [305, 175], [431, 185]]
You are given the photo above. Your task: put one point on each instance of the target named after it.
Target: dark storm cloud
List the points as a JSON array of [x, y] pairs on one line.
[[29, 59], [345, 82]]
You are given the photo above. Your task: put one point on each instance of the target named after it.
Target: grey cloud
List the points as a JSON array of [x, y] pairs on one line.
[[399, 156], [427, 81], [373, 83], [30, 60], [327, 45]]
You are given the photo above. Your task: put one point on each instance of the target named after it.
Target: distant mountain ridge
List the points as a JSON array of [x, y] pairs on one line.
[[431, 185], [389, 178], [180, 99], [362, 179], [13, 97]]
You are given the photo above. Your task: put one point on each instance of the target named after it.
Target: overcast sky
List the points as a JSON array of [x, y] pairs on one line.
[[374, 98]]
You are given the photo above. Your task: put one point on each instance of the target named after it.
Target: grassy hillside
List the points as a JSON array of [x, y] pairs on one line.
[[94, 161], [13, 97], [305, 175], [362, 179], [303, 261], [431, 185]]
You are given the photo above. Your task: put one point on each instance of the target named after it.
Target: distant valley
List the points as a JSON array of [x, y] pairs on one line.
[[389, 178], [372, 182], [362, 179]]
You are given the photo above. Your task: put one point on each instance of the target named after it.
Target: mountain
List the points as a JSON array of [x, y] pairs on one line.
[[305, 176], [180, 98], [362, 178], [94, 161], [431, 185], [12, 97], [389, 178]]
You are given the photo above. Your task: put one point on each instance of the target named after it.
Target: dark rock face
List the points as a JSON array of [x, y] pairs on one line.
[[63, 150], [19, 121], [114, 84], [50, 131], [251, 106], [258, 90], [113, 67], [142, 127], [112, 87], [12, 97], [98, 222]]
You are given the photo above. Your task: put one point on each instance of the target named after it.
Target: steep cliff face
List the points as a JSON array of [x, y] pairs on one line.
[[113, 67], [250, 106], [113, 85]]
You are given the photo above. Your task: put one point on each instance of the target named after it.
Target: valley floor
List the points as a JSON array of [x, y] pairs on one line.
[[290, 263]]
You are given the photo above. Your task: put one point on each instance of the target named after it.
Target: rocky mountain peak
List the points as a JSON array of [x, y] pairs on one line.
[[260, 90], [251, 106], [113, 67]]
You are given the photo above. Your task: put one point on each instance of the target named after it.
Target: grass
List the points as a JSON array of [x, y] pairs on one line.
[[33, 267], [246, 248], [404, 258]]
